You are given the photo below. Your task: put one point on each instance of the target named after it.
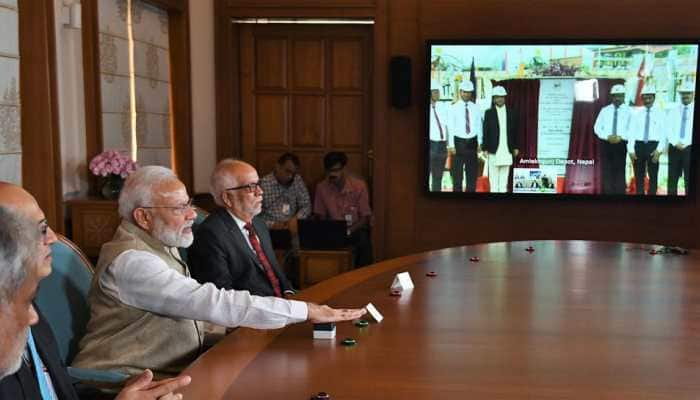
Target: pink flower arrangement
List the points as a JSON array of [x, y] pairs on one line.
[[112, 162]]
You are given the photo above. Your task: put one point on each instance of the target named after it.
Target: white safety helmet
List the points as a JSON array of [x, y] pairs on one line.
[[649, 89], [466, 86], [687, 87], [499, 91], [617, 89]]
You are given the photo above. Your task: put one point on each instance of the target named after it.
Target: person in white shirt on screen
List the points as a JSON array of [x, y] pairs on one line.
[[500, 140], [142, 289], [647, 139], [465, 128], [438, 137], [611, 128], [680, 138]]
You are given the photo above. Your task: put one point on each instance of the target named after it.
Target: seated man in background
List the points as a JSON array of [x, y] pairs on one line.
[[142, 288], [232, 248], [25, 258], [286, 198], [344, 197]]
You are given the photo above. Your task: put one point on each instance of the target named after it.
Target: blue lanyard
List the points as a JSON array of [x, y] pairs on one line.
[[46, 392]]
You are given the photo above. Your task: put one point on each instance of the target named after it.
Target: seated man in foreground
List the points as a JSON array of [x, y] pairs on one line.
[[25, 259], [344, 197], [142, 288], [232, 248]]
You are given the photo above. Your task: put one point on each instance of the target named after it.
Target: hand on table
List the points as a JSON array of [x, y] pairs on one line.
[[143, 387]]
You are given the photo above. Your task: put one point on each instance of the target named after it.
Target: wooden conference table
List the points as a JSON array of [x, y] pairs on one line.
[[571, 320]]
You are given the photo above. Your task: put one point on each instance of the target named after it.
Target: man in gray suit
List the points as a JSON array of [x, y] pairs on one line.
[[232, 248]]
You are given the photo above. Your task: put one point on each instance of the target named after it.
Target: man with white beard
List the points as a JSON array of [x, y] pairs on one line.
[[145, 309]]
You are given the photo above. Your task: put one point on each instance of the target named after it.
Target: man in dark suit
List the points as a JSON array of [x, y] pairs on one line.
[[232, 247], [25, 259], [500, 140]]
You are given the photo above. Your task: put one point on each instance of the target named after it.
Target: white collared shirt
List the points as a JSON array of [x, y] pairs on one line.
[[674, 115], [241, 225], [442, 111], [143, 280], [458, 122], [604, 123], [657, 127]]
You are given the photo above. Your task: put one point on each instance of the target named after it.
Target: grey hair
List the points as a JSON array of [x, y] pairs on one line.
[[221, 180], [138, 189], [19, 238]]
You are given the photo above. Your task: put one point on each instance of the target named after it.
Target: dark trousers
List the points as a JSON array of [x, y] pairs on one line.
[[613, 158], [678, 164], [438, 156], [465, 157], [361, 247], [644, 164]]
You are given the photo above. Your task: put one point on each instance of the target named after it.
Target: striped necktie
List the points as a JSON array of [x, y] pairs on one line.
[[437, 119], [274, 282], [466, 117]]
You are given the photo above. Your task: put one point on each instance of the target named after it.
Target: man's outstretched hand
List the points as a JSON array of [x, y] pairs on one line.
[[321, 314]]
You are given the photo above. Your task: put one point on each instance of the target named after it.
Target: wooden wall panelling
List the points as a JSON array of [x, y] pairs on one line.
[[308, 60], [346, 121], [270, 62], [181, 90], [227, 46], [301, 4], [41, 156], [91, 85], [272, 124], [312, 167], [404, 135], [347, 63], [247, 132], [381, 142], [308, 117], [173, 5]]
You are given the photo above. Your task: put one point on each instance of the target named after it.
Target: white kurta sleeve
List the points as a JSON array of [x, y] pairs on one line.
[[142, 280]]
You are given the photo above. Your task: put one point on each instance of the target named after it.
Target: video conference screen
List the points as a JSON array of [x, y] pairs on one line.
[[606, 119]]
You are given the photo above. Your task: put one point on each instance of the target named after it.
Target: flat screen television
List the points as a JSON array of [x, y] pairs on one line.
[[561, 119]]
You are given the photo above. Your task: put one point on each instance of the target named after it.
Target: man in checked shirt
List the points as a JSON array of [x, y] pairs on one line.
[[285, 197]]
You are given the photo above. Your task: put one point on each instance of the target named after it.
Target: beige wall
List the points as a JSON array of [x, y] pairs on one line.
[[69, 72], [72, 107]]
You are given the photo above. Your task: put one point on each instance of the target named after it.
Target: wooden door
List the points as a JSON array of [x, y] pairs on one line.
[[306, 89]]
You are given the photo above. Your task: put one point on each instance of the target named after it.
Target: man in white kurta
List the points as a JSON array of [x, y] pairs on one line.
[[499, 143]]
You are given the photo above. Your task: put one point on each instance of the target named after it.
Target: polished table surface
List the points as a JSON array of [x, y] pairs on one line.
[[571, 320]]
